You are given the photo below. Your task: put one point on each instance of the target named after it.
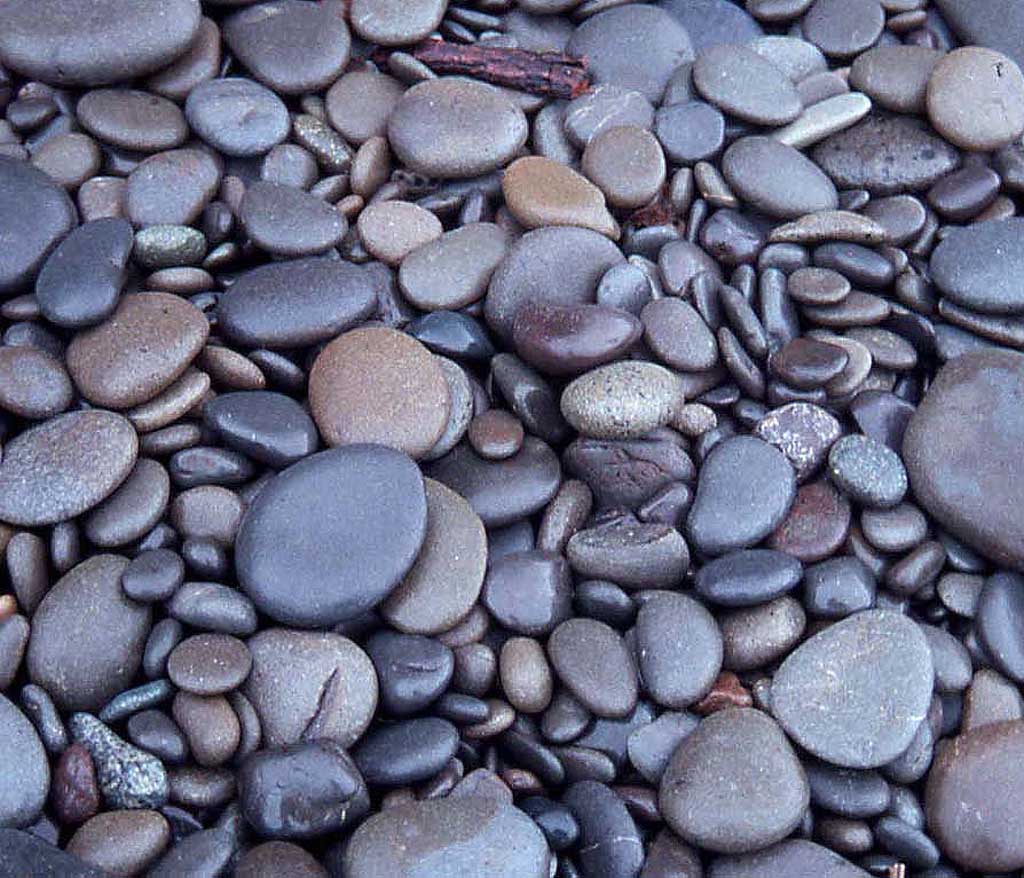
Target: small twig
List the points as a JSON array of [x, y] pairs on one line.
[[552, 74], [899, 870]]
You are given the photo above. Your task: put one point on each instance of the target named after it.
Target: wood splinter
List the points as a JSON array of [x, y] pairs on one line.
[[552, 74]]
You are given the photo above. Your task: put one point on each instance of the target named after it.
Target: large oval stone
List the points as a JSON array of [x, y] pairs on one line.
[[138, 351], [93, 42], [456, 837], [26, 191], [87, 636], [869, 679], [975, 798], [980, 266], [745, 490], [65, 466], [295, 303], [962, 451], [333, 535], [732, 750], [451, 127]]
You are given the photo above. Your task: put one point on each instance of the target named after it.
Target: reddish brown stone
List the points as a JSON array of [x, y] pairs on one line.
[[728, 691], [76, 796], [817, 524]]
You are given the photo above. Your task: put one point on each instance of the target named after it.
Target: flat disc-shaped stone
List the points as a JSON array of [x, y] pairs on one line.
[[295, 303], [980, 266], [93, 42], [787, 859], [331, 536], [65, 466], [379, 385], [452, 127], [734, 750], [869, 679], [962, 449], [292, 47], [745, 489]]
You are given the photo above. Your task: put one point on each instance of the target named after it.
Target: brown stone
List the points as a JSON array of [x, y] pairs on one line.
[[379, 385]]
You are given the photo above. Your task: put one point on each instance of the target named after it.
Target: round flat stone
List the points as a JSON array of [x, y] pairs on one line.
[[959, 446], [138, 351], [886, 155], [895, 77], [391, 230], [745, 85], [286, 221], [451, 127], [745, 489], [817, 524], [132, 119], [279, 858], [94, 42], [978, 266], [27, 191], [26, 776], [290, 46], [87, 636], [121, 842], [359, 104], [80, 282], [592, 661], [501, 491], [310, 680], [578, 257], [621, 400], [394, 22], [32, 383], [209, 664], [635, 47], [445, 582], [777, 179], [679, 649], [734, 749], [572, 339], [65, 466], [237, 116], [453, 271], [841, 28], [690, 132], [870, 677], [453, 837], [304, 565], [976, 98], [296, 303], [379, 385], [542, 192], [269, 427], [867, 471], [973, 798], [600, 108], [171, 187], [626, 163]]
